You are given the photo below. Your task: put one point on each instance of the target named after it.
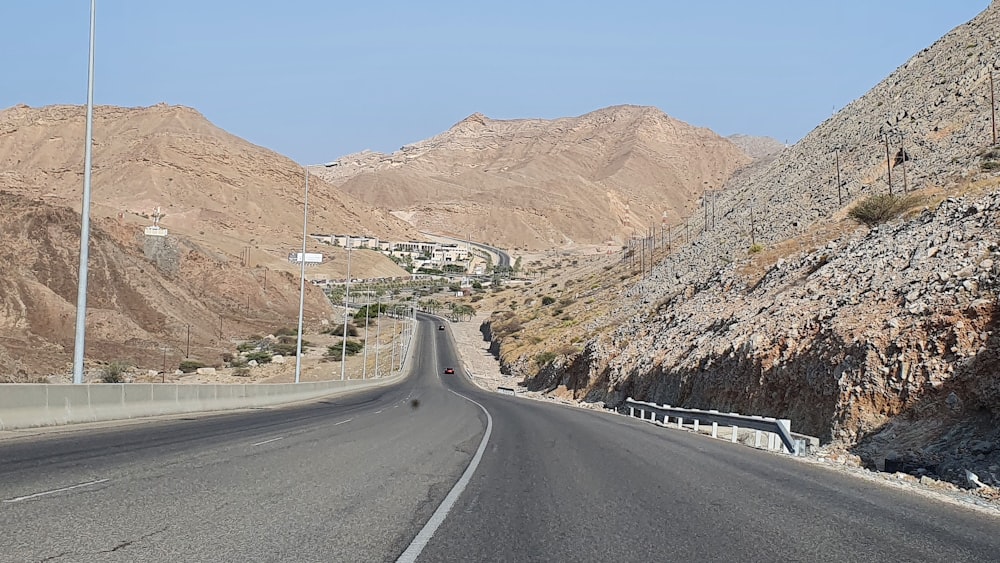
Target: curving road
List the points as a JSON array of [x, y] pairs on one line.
[[362, 478]]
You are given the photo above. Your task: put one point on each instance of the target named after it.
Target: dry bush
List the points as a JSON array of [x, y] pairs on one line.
[[880, 208]]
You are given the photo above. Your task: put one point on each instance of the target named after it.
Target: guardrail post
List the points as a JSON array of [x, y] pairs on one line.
[[715, 429], [736, 431], [770, 441], [756, 438], [680, 422], [631, 412], [696, 424]]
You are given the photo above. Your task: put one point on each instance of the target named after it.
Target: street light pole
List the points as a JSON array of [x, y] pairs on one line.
[[368, 311], [378, 331], [81, 295], [302, 282], [347, 294]]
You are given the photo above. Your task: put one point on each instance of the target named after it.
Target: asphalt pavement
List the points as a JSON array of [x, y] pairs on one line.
[[372, 475]]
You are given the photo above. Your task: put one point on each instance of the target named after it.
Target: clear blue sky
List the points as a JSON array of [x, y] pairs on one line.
[[317, 79]]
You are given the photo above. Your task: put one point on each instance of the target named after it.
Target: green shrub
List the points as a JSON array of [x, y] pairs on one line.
[[545, 358], [989, 165], [548, 300], [338, 330], [880, 208], [352, 347], [285, 349], [115, 372], [247, 346], [260, 356], [756, 247], [190, 366]]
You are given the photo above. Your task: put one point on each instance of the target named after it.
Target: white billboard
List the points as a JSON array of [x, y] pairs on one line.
[[310, 257]]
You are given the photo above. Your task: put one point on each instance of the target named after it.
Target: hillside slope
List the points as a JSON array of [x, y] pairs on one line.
[[535, 183], [233, 211], [882, 339]]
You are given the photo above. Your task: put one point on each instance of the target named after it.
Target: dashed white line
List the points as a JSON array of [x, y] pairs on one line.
[[268, 441], [54, 491], [343, 422], [427, 532], [378, 412]]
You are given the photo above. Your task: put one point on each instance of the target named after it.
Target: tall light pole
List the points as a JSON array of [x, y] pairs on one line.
[[347, 294], [302, 282], [368, 311], [378, 331], [81, 295], [392, 350]]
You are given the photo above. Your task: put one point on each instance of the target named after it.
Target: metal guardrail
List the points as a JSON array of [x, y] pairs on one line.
[[782, 428]]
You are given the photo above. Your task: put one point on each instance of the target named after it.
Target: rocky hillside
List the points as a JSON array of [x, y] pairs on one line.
[[141, 297], [209, 184], [757, 148], [535, 183], [233, 210], [881, 339]]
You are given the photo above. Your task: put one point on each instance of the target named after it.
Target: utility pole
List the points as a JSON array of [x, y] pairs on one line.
[[993, 106], [902, 148], [840, 197], [753, 227], [347, 293], [302, 280], [888, 164], [187, 352]]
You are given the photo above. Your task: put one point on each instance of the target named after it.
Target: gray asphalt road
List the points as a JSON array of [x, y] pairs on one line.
[[356, 478]]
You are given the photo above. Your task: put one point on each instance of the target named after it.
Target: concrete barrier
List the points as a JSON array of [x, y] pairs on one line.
[[31, 405]]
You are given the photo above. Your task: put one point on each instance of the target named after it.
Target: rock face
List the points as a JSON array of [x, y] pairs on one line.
[[881, 339], [534, 183]]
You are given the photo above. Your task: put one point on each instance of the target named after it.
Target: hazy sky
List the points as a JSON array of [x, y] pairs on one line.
[[317, 79]]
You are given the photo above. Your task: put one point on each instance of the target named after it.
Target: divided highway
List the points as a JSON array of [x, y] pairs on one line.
[[359, 477]]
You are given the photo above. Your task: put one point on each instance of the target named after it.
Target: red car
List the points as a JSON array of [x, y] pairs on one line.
[[449, 370]]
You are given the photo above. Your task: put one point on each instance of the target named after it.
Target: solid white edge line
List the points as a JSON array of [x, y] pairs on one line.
[[343, 422], [427, 532], [36, 495], [268, 441]]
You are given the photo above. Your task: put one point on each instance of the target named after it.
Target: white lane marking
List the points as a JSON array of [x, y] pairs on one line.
[[427, 532], [343, 422], [395, 406], [52, 492], [268, 441], [378, 412]]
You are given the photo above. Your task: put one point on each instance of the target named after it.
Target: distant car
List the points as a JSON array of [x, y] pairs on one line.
[[440, 327], [449, 370]]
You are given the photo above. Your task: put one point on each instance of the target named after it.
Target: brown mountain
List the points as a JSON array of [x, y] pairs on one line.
[[536, 183], [221, 197]]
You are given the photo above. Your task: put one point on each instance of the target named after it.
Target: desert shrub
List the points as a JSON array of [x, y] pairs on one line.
[[242, 372], [989, 165], [115, 372], [227, 357], [756, 247], [247, 346], [476, 298], [284, 349], [260, 356], [190, 366], [338, 330], [238, 362], [352, 347], [544, 358], [880, 208], [547, 300], [285, 331]]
